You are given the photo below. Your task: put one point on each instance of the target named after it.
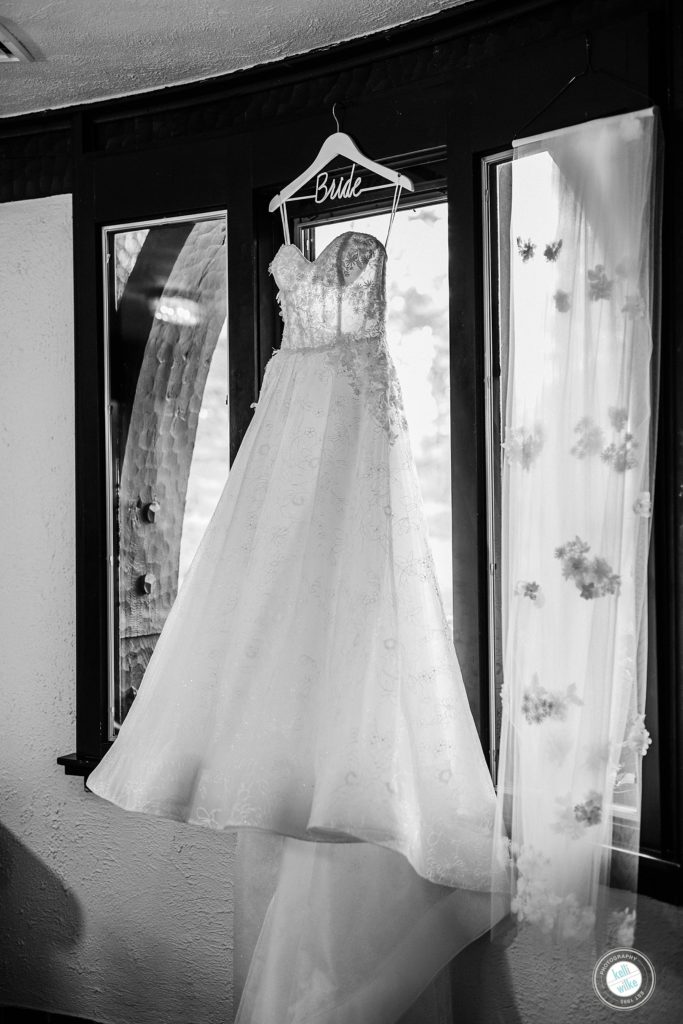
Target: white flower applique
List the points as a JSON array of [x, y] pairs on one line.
[[590, 439], [599, 285], [642, 506], [530, 589], [620, 454], [638, 738], [526, 249], [562, 300], [621, 927], [522, 446], [620, 758], [573, 819], [539, 703], [552, 251], [593, 577], [536, 902]]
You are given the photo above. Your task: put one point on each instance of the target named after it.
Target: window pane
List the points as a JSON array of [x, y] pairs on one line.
[[166, 380], [417, 335]]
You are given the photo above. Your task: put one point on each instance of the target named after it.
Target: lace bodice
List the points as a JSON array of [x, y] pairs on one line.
[[338, 298], [336, 306]]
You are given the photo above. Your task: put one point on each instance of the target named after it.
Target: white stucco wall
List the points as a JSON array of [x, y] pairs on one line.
[[117, 917], [125, 918]]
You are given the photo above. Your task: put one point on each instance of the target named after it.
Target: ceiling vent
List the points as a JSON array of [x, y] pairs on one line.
[[10, 47]]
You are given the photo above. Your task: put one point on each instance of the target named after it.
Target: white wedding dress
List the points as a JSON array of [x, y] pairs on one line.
[[305, 682]]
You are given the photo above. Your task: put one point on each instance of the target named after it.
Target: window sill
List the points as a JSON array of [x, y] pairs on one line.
[[75, 765]]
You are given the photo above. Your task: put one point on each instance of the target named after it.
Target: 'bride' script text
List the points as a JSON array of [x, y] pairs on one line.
[[338, 188]]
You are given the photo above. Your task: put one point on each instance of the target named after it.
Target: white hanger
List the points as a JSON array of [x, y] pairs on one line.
[[337, 144]]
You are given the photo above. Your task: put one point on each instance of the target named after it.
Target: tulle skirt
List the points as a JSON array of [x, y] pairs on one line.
[[305, 685]]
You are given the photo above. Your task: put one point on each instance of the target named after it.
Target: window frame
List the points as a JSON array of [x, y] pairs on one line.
[[158, 183]]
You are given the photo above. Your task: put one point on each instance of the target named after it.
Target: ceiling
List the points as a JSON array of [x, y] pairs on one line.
[[87, 50]]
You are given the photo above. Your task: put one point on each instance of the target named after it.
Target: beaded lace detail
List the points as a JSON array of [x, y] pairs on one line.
[[336, 305]]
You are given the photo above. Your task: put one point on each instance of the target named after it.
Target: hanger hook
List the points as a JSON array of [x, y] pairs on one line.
[[334, 115]]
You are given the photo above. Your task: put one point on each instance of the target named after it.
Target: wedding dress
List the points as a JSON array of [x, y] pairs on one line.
[[305, 682]]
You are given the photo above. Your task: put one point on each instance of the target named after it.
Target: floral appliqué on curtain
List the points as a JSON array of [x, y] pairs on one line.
[[577, 490]]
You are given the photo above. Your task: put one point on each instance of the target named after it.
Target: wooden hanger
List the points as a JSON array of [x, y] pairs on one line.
[[336, 145]]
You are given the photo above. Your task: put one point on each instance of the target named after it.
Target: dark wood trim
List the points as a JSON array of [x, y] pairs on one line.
[[91, 569], [74, 764], [469, 33], [670, 484], [409, 57], [466, 365], [660, 878]]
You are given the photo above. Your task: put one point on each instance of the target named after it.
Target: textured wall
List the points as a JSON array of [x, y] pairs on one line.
[[125, 918], [119, 917], [148, 44]]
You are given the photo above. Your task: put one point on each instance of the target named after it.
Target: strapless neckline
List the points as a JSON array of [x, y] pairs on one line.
[[333, 241], [336, 299]]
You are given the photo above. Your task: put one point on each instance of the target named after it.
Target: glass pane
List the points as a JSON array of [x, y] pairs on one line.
[[166, 380], [417, 335]]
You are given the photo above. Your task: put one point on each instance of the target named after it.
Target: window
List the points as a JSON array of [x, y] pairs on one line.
[[167, 446], [496, 211]]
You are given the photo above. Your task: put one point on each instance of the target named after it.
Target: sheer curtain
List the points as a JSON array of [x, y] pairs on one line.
[[576, 515]]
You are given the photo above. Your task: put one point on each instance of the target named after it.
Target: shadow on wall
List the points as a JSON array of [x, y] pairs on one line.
[[113, 959], [12, 1015], [462, 992], [40, 918], [526, 979]]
